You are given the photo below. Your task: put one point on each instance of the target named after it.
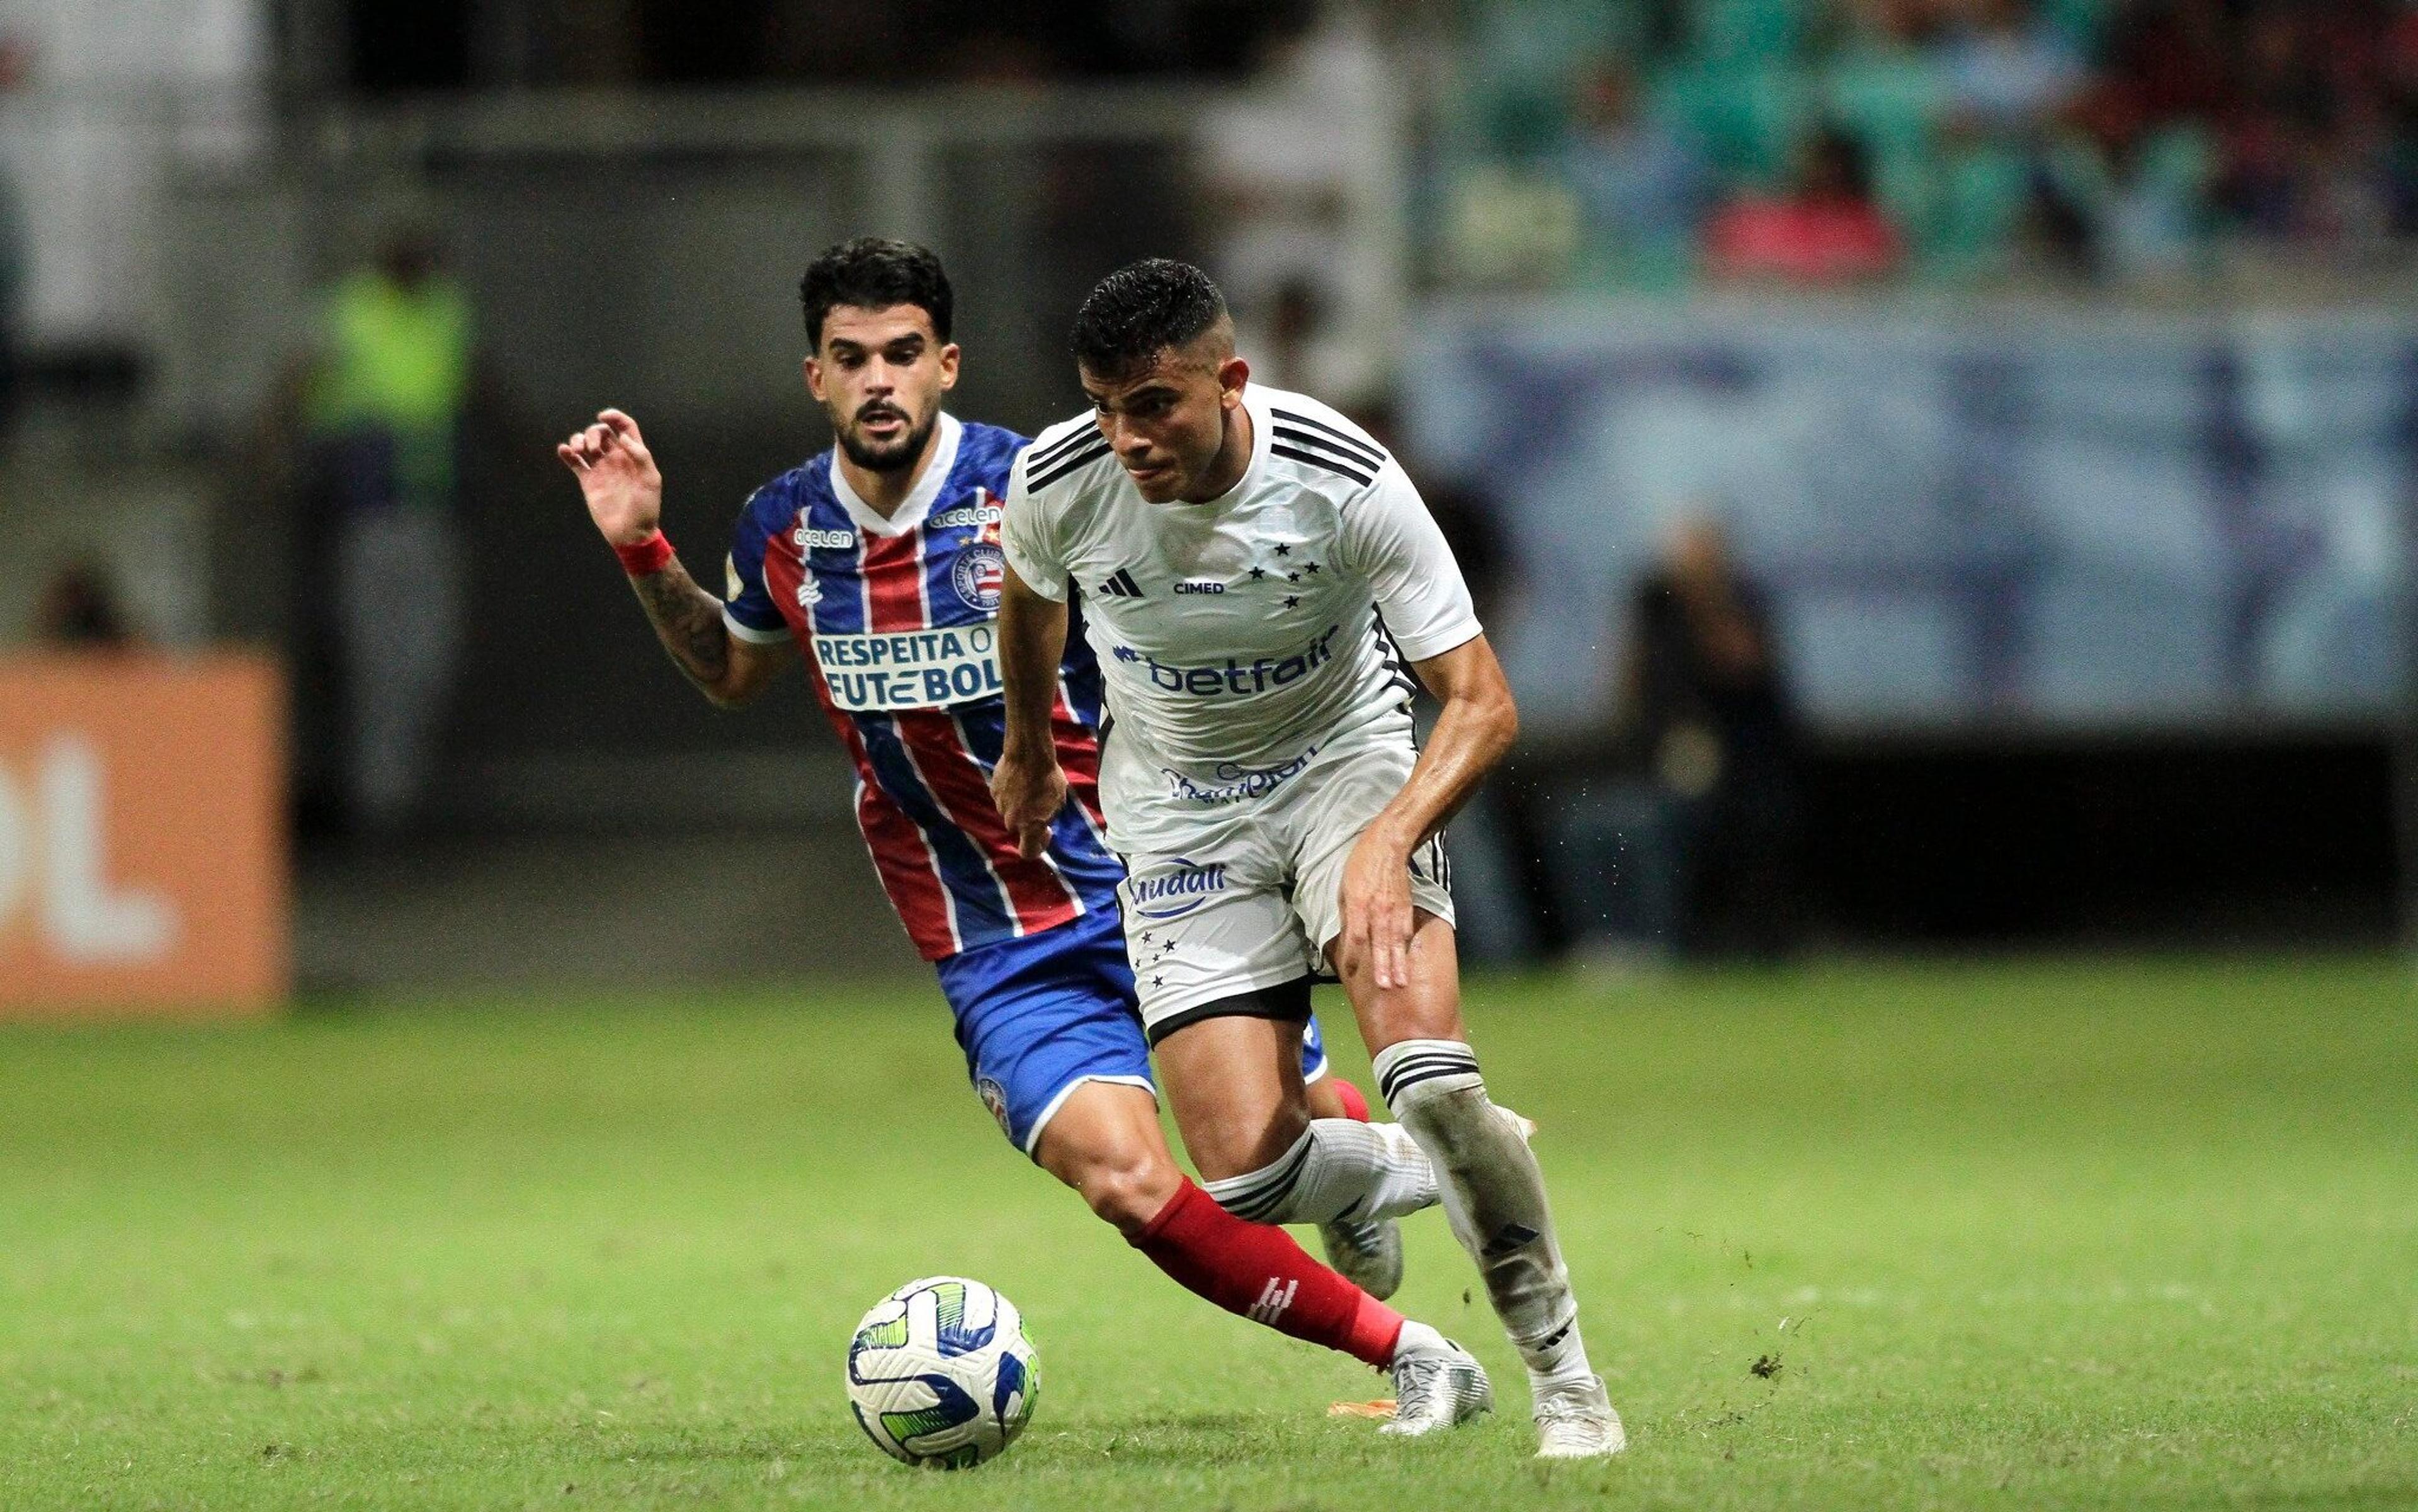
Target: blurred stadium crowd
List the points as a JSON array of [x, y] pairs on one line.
[[1955, 140], [289, 305]]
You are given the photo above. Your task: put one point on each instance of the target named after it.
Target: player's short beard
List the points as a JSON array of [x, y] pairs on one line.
[[895, 457]]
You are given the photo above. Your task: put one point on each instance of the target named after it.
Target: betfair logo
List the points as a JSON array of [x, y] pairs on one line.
[[1234, 676]]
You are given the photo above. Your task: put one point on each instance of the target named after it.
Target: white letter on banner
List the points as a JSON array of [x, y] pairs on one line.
[[84, 920]]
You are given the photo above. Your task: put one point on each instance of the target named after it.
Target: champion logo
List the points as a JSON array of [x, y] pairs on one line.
[[1121, 585], [1273, 1301]]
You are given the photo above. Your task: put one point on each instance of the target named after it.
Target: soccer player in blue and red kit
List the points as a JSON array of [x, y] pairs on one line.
[[881, 560]]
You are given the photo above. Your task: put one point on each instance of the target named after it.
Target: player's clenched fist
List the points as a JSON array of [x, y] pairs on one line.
[[617, 476], [1028, 792]]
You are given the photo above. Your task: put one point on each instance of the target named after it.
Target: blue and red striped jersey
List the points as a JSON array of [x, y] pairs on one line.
[[899, 619]]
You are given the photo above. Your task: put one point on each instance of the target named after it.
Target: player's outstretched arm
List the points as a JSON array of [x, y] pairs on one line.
[[1475, 732], [624, 493], [1027, 785]]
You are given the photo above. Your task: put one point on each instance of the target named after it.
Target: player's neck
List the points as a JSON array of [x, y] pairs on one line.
[[1233, 458], [884, 493]]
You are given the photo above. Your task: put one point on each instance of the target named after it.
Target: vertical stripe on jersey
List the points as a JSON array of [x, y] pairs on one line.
[[977, 902], [898, 599], [902, 858], [1080, 856]]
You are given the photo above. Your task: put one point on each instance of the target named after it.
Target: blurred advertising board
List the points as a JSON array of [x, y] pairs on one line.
[[142, 859], [2053, 515]]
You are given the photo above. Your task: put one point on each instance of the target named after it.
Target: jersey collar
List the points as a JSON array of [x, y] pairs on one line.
[[919, 503]]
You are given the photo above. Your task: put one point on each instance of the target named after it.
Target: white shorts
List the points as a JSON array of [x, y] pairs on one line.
[[1245, 896]]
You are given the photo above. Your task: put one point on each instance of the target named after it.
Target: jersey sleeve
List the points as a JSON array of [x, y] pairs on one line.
[[747, 610], [1389, 535], [1028, 536]]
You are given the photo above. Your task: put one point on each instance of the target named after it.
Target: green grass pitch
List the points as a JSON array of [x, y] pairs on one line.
[[2019, 1235]]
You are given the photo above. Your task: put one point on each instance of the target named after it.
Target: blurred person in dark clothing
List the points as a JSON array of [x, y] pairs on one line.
[[1704, 709], [1692, 852], [79, 611], [16, 259]]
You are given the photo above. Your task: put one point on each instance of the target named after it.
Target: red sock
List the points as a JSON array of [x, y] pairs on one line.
[[1355, 1107], [1255, 1271]]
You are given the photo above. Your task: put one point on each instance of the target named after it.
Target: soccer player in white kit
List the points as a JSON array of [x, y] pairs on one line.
[[1261, 582]]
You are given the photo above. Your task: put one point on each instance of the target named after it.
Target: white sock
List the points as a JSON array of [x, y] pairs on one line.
[[1493, 1197], [1419, 1338], [1338, 1169]]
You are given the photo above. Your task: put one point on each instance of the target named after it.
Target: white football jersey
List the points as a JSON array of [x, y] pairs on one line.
[[1241, 637]]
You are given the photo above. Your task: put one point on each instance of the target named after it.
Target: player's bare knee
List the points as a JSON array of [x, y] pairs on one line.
[[1126, 1188]]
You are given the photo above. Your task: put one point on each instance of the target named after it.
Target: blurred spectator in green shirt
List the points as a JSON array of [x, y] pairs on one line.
[[382, 397]]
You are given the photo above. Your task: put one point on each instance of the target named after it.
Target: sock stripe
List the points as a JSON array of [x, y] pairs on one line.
[[1423, 1064], [1395, 1078], [1409, 1083], [1433, 1056], [1395, 1056], [1258, 1193]]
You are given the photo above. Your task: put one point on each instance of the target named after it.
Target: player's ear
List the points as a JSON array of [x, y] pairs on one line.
[[813, 369], [1231, 374], [949, 355]]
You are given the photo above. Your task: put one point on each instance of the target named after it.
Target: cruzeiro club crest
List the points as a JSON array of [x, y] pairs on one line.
[[976, 575]]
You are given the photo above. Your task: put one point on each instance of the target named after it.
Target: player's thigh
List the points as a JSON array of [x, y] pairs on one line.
[[1427, 1007], [1104, 1140], [1342, 799], [1209, 924], [1043, 1018], [1234, 1084], [1328, 814]]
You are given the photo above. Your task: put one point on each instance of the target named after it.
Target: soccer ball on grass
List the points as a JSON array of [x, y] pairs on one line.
[[939, 1373]]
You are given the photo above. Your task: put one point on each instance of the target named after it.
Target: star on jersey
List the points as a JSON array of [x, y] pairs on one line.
[[1258, 572], [1292, 600], [1283, 550]]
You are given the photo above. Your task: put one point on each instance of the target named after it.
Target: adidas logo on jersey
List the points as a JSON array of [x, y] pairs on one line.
[[1121, 585]]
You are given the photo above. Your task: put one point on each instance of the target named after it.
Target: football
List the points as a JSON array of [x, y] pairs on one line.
[[939, 1373]]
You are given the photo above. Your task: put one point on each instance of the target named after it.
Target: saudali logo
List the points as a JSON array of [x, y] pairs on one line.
[[1176, 892]]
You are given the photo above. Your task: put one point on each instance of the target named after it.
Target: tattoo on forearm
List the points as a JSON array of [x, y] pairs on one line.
[[688, 620]]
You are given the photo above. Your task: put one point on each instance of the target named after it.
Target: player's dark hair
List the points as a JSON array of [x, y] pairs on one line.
[[875, 273], [1139, 310]]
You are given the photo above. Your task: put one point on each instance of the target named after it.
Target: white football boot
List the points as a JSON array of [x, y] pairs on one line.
[[1578, 1423], [1437, 1388]]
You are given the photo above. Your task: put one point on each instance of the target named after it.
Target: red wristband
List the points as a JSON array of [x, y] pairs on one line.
[[652, 555]]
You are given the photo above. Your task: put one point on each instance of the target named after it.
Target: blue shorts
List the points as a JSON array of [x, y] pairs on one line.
[[1041, 1016]]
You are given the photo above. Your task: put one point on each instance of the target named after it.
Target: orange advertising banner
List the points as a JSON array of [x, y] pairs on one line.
[[143, 859]]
